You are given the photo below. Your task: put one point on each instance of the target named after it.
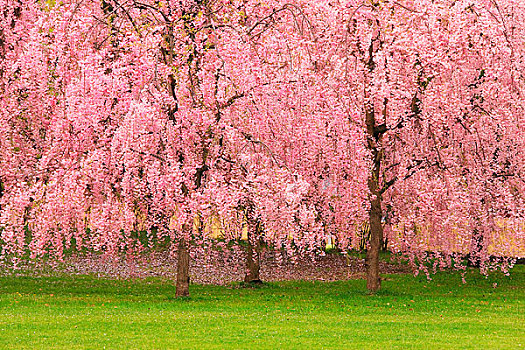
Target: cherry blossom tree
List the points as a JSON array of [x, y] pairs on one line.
[[439, 88], [143, 122]]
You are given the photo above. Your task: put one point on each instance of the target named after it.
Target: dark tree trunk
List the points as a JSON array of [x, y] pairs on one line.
[[183, 270]]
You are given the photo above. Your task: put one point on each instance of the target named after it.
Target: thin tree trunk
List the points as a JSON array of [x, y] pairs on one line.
[[253, 264], [183, 270], [373, 280]]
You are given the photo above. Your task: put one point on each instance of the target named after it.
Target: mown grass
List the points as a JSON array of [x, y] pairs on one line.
[[85, 312]]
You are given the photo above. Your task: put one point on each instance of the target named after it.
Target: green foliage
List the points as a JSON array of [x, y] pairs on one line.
[[84, 312]]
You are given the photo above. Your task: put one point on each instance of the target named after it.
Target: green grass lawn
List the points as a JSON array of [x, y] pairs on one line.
[[90, 313]]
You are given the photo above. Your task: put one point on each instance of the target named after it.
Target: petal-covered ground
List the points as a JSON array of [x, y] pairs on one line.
[[224, 269]]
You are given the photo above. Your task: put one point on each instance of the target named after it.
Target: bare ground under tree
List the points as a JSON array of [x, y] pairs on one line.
[[226, 269]]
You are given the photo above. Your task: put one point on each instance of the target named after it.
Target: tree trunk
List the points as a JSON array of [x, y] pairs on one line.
[[375, 135], [183, 270], [253, 264], [373, 280]]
